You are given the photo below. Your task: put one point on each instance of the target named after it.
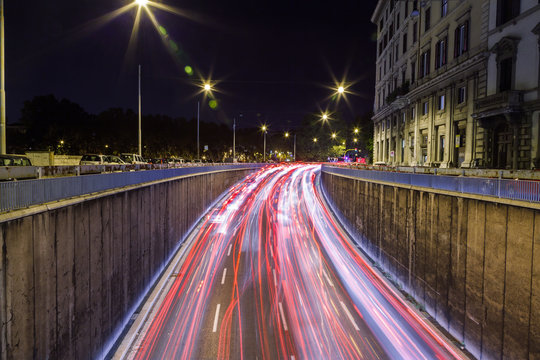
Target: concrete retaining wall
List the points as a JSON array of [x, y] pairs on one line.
[[69, 275], [473, 262]]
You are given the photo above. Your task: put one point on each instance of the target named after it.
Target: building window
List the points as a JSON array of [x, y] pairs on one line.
[[404, 43], [406, 9], [444, 8], [427, 21], [507, 10], [403, 76], [397, 21], [462, 94], [506, 74], [424, 63], [441, 147], [397, 51], [440, 53], [461, 41], [425, 108], [415, 32], [441, 103], [413, 72], [413, 113]]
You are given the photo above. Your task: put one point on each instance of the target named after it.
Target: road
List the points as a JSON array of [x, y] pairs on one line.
[[270, 275]]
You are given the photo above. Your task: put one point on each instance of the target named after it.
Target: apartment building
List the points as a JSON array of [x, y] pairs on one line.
[[508, 114], [438, 97]]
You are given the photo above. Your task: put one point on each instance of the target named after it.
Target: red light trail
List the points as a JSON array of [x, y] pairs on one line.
[[270, 275]]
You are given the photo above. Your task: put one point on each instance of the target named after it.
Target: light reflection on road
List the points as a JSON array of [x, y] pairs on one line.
[[270, 275]]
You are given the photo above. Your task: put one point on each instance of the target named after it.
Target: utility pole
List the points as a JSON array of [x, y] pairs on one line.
[[294, 148], [140, 115], [198, 115], [2, 82], [264, 147], [234, 140]]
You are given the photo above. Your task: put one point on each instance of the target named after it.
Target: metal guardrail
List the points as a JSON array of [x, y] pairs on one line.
[[524, 190], [20, 194]]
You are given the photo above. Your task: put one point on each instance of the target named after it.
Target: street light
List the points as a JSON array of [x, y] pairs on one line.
[[356, 130], [264, 129], [142, 2], [206, 87], [334, 135], [294, 144], [341, 90], [314, 140], [2, 83]]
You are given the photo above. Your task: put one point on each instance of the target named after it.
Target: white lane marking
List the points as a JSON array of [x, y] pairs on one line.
[[349, 315], [223, 278], [283, 317], [214, 329], [229, 252], [275, 278], [328, 279]]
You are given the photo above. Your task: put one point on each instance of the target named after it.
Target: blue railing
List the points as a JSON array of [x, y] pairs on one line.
[[502, 188], [20, 194]]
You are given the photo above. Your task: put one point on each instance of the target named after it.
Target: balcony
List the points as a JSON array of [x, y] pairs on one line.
[[498, 104]]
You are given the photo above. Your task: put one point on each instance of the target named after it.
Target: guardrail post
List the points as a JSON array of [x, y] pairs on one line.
[[39, 173], [499, 184]]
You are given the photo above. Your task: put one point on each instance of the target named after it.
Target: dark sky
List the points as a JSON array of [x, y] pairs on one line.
[[272, 58]]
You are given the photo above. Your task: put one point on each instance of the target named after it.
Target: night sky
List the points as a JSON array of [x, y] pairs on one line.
[[272, 60]]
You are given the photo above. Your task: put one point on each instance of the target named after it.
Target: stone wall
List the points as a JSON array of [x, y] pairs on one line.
[[71, 273], [473, 262]]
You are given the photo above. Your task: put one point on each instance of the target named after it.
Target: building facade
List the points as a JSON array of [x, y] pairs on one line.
[[445, 94]]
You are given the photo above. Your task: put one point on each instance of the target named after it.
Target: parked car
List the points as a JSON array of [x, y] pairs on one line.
[[133, 159], [14, 160], [94, 159], [115, 160]]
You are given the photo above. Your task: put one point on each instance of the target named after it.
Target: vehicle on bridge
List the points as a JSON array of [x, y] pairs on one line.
[[14, 160], [133, 158]]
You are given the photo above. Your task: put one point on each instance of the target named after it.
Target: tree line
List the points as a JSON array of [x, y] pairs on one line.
[[62, 126]]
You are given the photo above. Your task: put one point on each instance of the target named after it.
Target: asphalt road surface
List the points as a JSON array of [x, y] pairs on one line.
[[269, 275]]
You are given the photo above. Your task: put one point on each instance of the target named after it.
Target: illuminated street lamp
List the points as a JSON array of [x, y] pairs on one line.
[[356, 130], [294, 144], [341, 90], [206, 87], [2, 83], [334, 135], [325, 117], [314, 140], [141, 2], [355, 140], [264, 129]]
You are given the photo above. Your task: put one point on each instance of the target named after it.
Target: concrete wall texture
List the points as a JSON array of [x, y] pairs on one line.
[[473, 262], [70, 275]]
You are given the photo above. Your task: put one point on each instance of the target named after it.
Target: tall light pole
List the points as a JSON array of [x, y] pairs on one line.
[[140, 114], [294, 148], [207, 87], [234, 141], [264, 129], [2, 82]]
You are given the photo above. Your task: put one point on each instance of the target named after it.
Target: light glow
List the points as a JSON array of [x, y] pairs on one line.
[[142, 2]]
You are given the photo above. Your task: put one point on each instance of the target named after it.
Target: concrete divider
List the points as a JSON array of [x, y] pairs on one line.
[[71, 272], [472, 261]]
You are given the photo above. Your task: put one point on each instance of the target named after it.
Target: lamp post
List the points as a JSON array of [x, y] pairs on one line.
[[2, 82], [294, 144], [234, 141], [264, 129], [140, 115], [207, 87]]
